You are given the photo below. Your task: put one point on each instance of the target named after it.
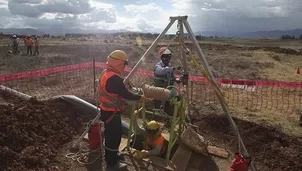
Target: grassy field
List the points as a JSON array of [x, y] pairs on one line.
[[228, 58], [259, 115]]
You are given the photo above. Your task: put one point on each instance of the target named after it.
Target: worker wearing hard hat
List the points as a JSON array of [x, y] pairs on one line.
[[29, 44], [37, 45], [14, 45], [164, 76], [163, 71], [155, 144], [112, 95]]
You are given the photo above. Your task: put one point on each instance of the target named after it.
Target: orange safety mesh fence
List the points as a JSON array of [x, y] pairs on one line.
[[77, 80]]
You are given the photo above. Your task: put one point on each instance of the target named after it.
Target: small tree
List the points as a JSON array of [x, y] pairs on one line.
[[285, 37]]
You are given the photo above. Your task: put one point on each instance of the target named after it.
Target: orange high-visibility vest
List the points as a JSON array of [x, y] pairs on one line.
[[159, 141], [109, 101], [29, 42]]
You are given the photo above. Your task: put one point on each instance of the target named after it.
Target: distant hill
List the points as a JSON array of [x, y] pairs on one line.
[[21, 31], [257, 34]]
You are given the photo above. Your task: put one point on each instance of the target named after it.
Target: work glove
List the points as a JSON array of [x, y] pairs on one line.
[[140, 154], [178, 81], [129, 85]]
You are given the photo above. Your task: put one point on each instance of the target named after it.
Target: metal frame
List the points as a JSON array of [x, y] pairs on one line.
[[182, 21], [177, 119]]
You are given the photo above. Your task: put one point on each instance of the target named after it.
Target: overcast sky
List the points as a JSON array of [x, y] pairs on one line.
[[147, 15]]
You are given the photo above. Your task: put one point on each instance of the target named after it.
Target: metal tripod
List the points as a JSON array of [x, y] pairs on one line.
[[182, 22]]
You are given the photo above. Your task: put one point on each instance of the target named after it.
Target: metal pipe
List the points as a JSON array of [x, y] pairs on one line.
[[84, 106], [172, 131], [131, 125], [221, 100], [149, 49], [6, 90], [184, 58]]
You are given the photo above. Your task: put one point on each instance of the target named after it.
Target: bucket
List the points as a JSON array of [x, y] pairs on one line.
[[94, 137]]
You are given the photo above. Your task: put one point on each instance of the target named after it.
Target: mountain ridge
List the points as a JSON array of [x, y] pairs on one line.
[[255, 34]]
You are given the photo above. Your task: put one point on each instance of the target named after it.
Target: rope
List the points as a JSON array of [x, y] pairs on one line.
[[219, 93], [82, 155]]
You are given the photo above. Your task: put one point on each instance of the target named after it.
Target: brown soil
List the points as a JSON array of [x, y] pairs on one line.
[[32, 131], [269, 148]]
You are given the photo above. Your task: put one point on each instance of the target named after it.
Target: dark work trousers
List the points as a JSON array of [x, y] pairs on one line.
[[29, 50], [15, 50], [168, 108], [113, 135], [36, 50]]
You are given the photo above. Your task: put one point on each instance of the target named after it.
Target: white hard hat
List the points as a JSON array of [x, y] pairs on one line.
[[167, 52], [164, 51]]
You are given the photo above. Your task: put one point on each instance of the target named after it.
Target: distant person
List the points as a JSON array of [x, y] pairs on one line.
[[37, 45], [14, 45], [25, 42], [29, 44]]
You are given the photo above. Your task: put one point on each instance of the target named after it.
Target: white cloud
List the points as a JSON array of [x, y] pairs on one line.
[[224, 15], [141, 9]]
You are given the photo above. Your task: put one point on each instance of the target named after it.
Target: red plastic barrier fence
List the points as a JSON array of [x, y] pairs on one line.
[[43, 72]]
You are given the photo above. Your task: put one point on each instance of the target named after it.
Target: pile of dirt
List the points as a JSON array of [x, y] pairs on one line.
[[31, 133], [270, 149]]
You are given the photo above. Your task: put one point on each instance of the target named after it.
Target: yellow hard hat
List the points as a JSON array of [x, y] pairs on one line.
[[153, 125], [119, 55]]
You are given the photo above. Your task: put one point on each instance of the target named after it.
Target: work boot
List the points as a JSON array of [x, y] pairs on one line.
[[117, 166], [120, 156]]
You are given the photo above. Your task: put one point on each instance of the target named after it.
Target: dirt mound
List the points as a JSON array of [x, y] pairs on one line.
[[269, 148], [31, 133]]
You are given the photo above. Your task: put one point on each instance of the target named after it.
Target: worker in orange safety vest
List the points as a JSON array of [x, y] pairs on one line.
[[155, 144], [37, 45], [29, 44], [112, 95]]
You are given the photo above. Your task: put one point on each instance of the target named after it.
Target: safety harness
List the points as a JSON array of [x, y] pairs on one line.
[[115, 102]]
